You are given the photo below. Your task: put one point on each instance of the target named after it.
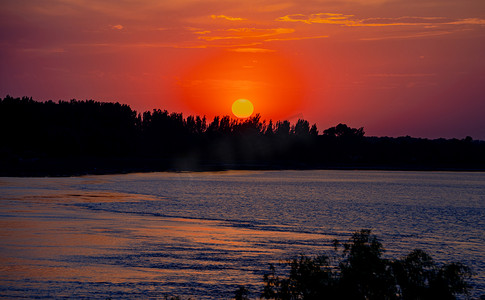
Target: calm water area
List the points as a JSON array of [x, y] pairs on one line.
[[148, 235]]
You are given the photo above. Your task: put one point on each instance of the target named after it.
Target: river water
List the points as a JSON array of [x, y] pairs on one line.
[[150, 235]]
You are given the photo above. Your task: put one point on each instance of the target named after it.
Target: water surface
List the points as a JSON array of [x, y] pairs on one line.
[[203, 234]]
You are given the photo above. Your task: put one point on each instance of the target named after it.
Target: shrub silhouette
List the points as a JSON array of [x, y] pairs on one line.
[[242, 293], [358, 271]]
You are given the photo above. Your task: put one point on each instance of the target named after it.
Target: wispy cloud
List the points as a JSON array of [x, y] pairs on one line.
[[245, 33], [298, 38], [211, 45], [351, 20], [252, 50], [119, 27], [177, 45], [226, 18], [43, 51], [400, 75], [469, 21], [273, 7], [408, 36], [320, 18], [225, 84]]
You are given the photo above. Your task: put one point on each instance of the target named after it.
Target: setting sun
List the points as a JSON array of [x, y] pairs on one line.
[[269, 80], [242, 108]]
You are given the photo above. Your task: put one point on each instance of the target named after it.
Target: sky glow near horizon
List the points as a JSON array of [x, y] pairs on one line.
[[393, 67]]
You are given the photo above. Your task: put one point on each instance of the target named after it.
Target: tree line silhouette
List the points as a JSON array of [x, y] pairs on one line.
[[78, 137]]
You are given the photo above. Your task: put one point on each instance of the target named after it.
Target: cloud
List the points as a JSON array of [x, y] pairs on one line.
[[246, 33], [350, 20], [206, 46], [119, 27], [225, 84], [252, 50], [274, 7], [405, 19], [298, 38], [226, 18], [117, 46], [399, 75], [43, 51], [409, 36], [320, 18], [469, 21]]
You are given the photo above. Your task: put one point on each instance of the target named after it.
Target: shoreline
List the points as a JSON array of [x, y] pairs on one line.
[[112, 166]]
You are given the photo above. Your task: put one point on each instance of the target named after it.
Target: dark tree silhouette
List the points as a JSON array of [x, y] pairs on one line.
[[343, 131], [302, 128], [360, 272], [314, 130], [78, 137], [420, 278], [364, 273], [283, 128], [269, 129]]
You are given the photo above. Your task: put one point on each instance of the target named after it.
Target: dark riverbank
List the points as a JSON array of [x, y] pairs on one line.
[[51, 167]]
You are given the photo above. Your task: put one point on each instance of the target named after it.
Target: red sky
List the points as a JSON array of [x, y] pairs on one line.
[[395, 67]]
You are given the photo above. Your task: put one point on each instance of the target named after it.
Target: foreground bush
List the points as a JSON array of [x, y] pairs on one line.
[[358, 271]]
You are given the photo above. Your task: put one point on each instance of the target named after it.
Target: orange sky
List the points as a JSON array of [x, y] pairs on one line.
[[396, 67]]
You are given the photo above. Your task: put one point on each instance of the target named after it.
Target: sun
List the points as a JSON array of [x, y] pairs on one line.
[[242, 108]]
